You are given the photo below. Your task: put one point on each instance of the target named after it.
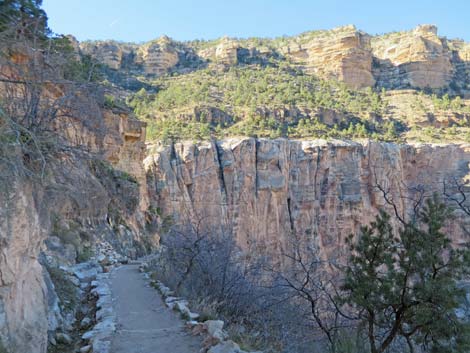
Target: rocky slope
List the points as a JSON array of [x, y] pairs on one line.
[[264, 190], [419, 58]]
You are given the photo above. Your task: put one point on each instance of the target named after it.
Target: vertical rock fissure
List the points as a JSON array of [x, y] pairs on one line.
[[317, 168], [173, 155], [256, 144], [220, 172], [289, 210]]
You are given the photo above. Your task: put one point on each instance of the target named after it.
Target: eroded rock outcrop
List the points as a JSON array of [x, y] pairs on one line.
[[157, 57], [226, 52], [343, 54], [263, 190], [418, 58], [108, 53]]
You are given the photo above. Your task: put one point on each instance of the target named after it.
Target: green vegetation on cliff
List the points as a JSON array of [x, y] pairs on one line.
[[259, 101], [280, 101], [407, 287]]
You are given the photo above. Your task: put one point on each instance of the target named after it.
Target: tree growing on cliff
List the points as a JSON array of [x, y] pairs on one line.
[[23, 18], [45, 88], [405, 288]]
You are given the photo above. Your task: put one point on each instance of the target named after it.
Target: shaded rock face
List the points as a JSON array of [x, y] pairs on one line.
[[91, 188], [263, 190], [23, 293], [76, 206], [112, 135], [88, 194], [124, 147], [461, 64]]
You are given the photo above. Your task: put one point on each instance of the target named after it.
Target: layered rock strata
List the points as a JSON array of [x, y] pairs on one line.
[[343, 54], [418, 58]]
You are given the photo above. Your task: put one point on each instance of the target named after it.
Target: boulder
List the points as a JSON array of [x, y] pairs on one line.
[[63, 338], [85, 349], [225, 347], [213, 326], [86, 322]]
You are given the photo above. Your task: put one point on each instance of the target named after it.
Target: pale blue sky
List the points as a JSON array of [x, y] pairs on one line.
[[142, 20]]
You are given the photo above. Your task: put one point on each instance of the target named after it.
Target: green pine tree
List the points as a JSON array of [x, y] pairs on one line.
[[407, 286]]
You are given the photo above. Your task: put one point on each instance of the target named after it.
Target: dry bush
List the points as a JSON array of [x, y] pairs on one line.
[[250, 294]]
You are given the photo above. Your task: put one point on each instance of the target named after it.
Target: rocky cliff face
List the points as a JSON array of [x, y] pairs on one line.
[[23, 293], [419, 58], [226, 52], [343, 54], [95, 187], [92, 190], [157, 57], [264, 190], [108, 53]]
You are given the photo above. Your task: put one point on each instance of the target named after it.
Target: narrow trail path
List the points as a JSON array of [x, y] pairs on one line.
[[144, 323]]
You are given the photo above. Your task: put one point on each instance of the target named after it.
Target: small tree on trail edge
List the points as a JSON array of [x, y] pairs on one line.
[[405, 289]]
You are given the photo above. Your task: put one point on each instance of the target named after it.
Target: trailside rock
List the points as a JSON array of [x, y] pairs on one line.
[[100, 335], [63, 338], [86, 349], [86, 321], [213, 326], [86, 272], [225, 347]]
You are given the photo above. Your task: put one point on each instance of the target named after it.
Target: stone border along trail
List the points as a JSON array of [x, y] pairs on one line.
[[144, 324]]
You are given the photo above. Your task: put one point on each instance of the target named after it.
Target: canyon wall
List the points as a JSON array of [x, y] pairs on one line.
[[418, 58], [264, 190], [92, 189]]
